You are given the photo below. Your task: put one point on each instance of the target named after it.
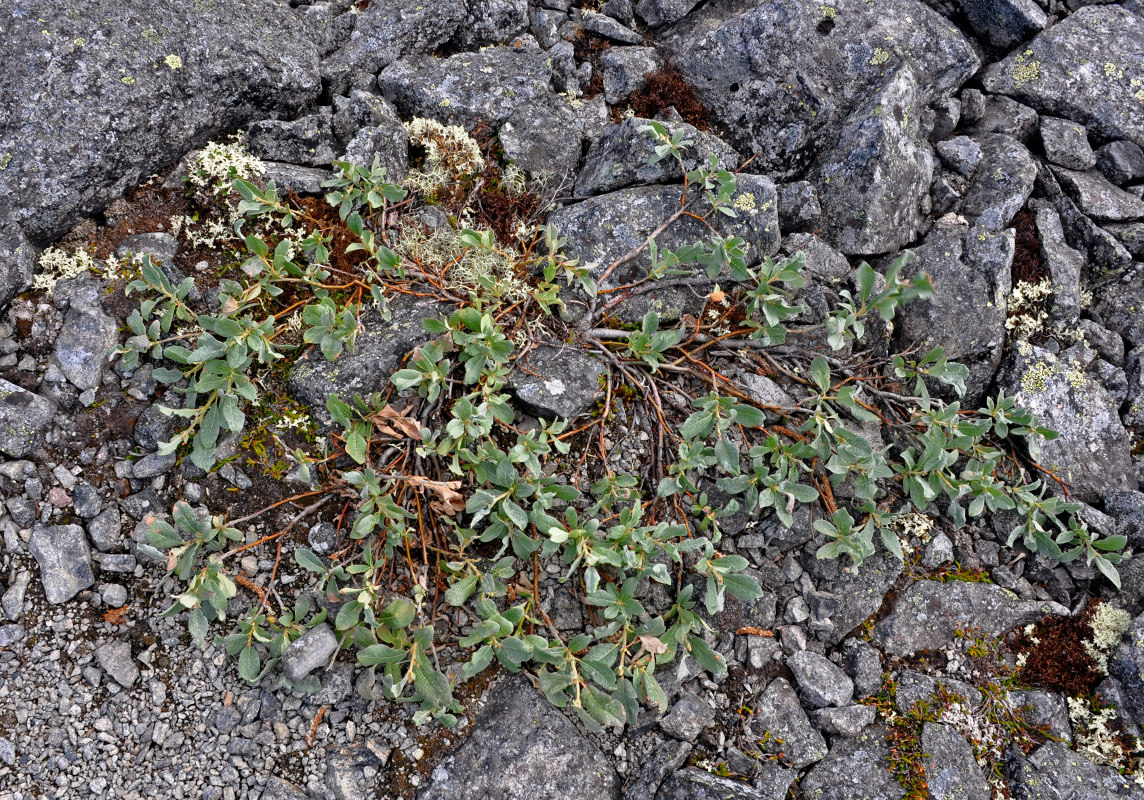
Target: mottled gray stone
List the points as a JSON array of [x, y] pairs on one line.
[[347, 767], [123, 90], [665, 760], [386, 32], [961, 154], [543, 139], [857, 768], [153, 464], [608, 28], [698, 784], [293, 178], [864, 665], [663, 12], [1074, 776], [1045, 710], [1127, 666], [778, 713], [918, 687], [489, 22], [65, 561], [17, 260], [970, 269], [279, 789], [115, 659], [687, 718], [875, 180], [619, 157], [105, 529], [1121, 162], [1083, 68], [307, 141], [1066, 143], [1098, 198], [863, 590], [309, 651], [846, 721], [783, 88], [377, 354], [799, 206], [625, 71], [556, 381], [1063, 264], [468, 88], [522, 748], [927, 614], [1002, 183], [84, 344], [1092, 451], [24, 419], [820, 682], [950, 767]]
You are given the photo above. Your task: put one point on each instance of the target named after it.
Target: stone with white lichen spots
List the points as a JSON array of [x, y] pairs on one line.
[[557, 381]]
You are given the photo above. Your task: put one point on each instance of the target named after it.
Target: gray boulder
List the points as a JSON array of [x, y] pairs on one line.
[[350, 770], [17, 261], [782, 77], [663, 12], [970, 269], [1092, 452], [556, 381], [820, 682], [489, 22], [1001, 114], [543, 139], [1095, 196], [292, 178], [961, 154], [1004, 23], [857, 768], [309, 651], [619, 157], [123, 90], [927, 614], [65, 561], [386, 32], [1072, 775], [918, 687], [1063, 264], [951, 769], [625, 71], [1085, 68], [1121, 162], [387, 141], [523, 748], [875, 180], [698, 784], [1103, 253], [469, 88], [1002, 183], [307, 141], [862, 591], [84, 345], [778, 713], [799, 206], [377, 354], [24, 419], [1066, 143], [279, 789], [687, 718], [608, 28], [845, 721]]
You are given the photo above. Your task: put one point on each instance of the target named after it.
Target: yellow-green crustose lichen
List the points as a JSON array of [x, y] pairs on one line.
[[881, 56], [1026, 68], [173, 61], [1036, 377]]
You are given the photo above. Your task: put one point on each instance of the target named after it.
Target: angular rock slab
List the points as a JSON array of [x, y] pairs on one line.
[[377, 354], [65, 561], [24, 418], [556, 381], [1127, 666], [856, 769], [780, 714], [971, 272], [875, 179], [522, 748], [929, 612], [951, 769], [1092, 451], [1087, 68], [698, 784], [782, 76], [96, 101]]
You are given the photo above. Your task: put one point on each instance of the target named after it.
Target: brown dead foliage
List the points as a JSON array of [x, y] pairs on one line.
[[667, 88]]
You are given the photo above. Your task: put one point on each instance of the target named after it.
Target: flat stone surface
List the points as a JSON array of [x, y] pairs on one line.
[[557, 381], [698, 784], [950, 767], [927, 614], [778, 713], [65, 561], [309, 651], [856, 769], [821, 682], [688, 717], [24, 419], [523, 748]]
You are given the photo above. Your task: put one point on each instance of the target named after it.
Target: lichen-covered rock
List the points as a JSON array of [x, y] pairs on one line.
[[950, 767], [688, 717], [1095, 196], [927, 614], [1127, 666], [857, 768], [820, 682], [918, 687], [1121, 162], [1066, 143], [1002, 182], [386, 32], [98, 100], [778, 713], [799, 206], [522, 748], [377, 354], [543, 140], [1103, 253], [876, 179], [24, 419], [862, 591], [556, 381], [84, 344], [65, 561], [489, 22], [1092, 452], [307, 141], [619, 157], [781, 77], [1086, 68], [663, 12], [17, 260], [468, 88], [698, 784], [625, 71], [1063, 264], [970, 269]]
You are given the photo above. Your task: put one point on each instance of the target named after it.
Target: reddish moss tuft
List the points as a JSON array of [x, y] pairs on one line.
[[586, 47], [665, 88], [1055, 656], [1027, 265]]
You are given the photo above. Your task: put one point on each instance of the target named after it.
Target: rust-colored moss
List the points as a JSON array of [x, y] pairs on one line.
[[666, 88], [1027, 265], [1055, 656], [587, 47]]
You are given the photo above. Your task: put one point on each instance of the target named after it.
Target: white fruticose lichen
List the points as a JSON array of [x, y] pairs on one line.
[[58, 265], [450, 155], [1096, 739], [219, 163], [1109, 624], [1027, 313]]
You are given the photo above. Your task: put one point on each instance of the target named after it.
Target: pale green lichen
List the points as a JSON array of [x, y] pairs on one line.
[[746, 202], [1025, 68], [881, 56], [1036, 377], [5, 160], [173, 61], [1108, 624]]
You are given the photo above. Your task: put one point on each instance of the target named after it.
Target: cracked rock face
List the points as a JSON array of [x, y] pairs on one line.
[[65, 561]]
